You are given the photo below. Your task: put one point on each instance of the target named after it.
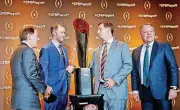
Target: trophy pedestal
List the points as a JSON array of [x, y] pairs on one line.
[[83, 81]]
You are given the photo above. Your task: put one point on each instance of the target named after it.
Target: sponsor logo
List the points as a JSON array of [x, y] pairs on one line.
[[127, 37], [104, 15], [147, 16], [8, 3], [10, 13], [33, 2], [169, 26], [36, 26], [34, 14], [58, 3], [169, 37], [5, 87], [168, 5], [8, 38], [126, 26], [126, 16], [4, 62], [81, 4], [104, 4], [9, 50], [58, 14], [126, 5], [168, 16], [8, 26], [147, 5], [82, 14], [129, 104]]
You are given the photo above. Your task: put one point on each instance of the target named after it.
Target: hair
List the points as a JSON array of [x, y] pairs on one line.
[[25, 31], [147, 24], [55, 27], [108, 24]]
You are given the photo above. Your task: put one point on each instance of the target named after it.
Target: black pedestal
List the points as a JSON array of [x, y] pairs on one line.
[[87, 102]]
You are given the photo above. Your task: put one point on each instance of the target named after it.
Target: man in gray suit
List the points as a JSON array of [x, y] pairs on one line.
[[26, 80], [111, 63]]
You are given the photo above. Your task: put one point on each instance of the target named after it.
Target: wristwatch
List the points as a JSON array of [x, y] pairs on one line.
[[173, 87]]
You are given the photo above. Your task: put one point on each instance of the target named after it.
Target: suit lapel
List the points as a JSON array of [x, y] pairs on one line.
[[138, 58], [111, 49], [153, 53]]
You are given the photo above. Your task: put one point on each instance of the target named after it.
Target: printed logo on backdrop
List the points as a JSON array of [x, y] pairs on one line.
[[147, 5], [82, 14], [8, 100], [34, 14], [8, 3], [9, 50], [58, 3], [168, 16], [8, 26], [126, 15], [104, 4], [129, 104], [173, 102], [127, 37], [169, 37], [8, 75]]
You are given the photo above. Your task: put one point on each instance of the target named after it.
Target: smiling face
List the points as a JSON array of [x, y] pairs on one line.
[[147, 34]]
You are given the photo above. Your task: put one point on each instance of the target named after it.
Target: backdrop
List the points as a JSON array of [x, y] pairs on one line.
[[126, 15]]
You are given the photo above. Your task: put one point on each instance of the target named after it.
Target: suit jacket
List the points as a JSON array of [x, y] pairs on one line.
[[53, 69], [26, 81], [117, 67], [163, 70]]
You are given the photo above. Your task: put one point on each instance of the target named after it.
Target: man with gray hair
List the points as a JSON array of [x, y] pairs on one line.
[[26, 81], [155, 72]]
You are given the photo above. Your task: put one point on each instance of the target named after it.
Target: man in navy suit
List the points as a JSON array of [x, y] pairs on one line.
[[155, 72], [56, 69]]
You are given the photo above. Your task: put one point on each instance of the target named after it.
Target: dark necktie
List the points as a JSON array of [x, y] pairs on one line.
[[146, 68], [62, 53], [103, 60]]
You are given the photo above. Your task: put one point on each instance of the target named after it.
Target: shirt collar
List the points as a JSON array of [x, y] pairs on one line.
[[150, 44], [109, 41], [25, 42], [56, 43]]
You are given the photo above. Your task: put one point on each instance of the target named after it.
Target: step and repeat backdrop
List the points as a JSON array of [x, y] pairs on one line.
[[126, 15]]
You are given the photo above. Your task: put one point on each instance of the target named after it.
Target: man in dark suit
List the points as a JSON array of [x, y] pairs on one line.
[[155, 72], [26, 81], [55, 68]]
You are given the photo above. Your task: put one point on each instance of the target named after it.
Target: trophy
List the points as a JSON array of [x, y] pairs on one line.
[[83, 75]]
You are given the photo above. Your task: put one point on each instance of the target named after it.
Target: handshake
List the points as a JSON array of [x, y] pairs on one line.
[[47, 92]]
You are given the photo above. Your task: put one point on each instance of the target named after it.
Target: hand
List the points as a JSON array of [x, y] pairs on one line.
[[172, 94], [48, 92], [136, 97], [109, 83], [70, 68]]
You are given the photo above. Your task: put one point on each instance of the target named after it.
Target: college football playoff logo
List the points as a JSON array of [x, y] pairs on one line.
[[58, 3], [8, 3], [104, 4], [147, 5]]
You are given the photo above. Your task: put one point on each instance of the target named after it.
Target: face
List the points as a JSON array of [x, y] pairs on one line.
[[60, 34], [34, 39], [103, 32], [147, 34]]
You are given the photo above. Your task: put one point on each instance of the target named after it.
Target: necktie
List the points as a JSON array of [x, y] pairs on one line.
[[103, 60], [62, 53], [146, 68]]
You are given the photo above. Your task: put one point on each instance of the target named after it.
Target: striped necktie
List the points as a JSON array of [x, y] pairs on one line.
[[103, 60], [62, 53]]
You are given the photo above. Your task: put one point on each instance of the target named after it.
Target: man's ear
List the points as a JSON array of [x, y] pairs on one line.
[[28, 37]]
